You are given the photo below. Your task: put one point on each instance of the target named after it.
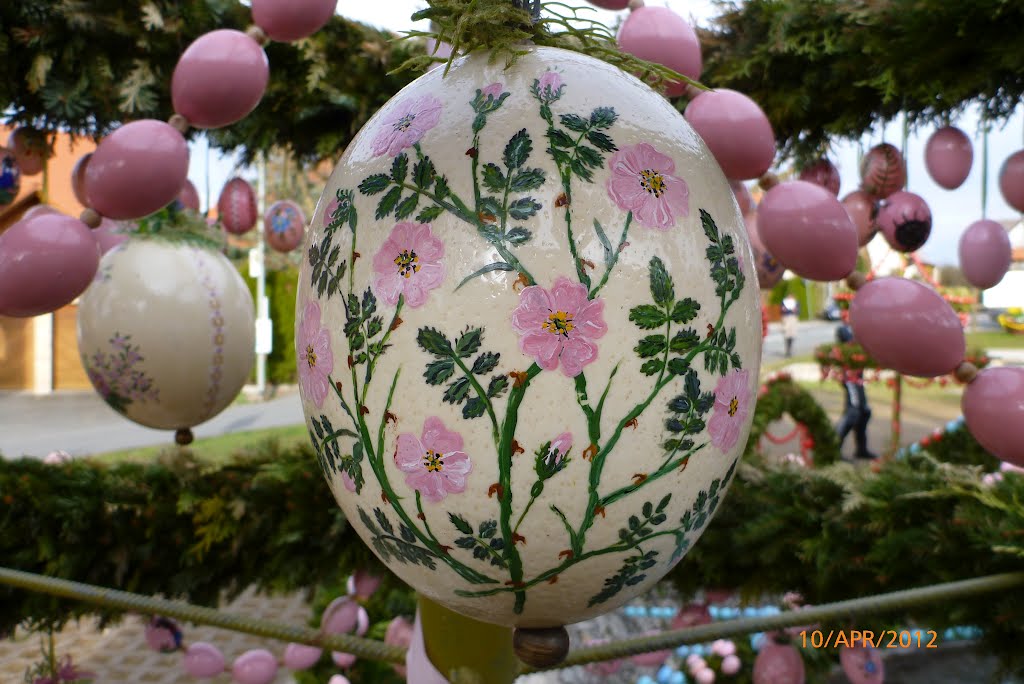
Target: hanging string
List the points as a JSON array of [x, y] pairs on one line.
[[903, 150], [984, 165]]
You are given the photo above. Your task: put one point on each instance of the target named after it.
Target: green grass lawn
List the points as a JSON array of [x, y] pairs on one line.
[[214, 449], [994, 340]]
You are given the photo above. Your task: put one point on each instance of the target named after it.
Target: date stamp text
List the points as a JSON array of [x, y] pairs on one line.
[[887, 638]]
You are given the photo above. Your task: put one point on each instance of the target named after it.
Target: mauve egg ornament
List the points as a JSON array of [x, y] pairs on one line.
[[862, 665], [862, 209], [743, 196], [484, 326], [948, 156], [736, 130], [284, 225], [78, 179], [659, 35], [1011, 180], [257, 666], [236, 206], [613, 5], [288, 20], [45, 262], [993, 406], [822, 172], [908, 327], [808, 231], [10, 177], [219, 79], [30, 149], [779, 664], [136, 170], [110, 234], [985, 253], [905, 220], [883, 171], [769, 270], [38, 210], [189, 196], [203, 660]]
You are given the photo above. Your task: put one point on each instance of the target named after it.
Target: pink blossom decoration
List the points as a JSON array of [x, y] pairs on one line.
[[549, 86], [559, 325], [434, 464], [560, 445], [732, 405], [406, 124], [409, 264], [347, 480], [315, 358], [642, 182], [492, 91]]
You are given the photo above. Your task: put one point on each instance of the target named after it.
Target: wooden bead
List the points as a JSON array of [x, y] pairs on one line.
[[965, 372], [768, 181], [257, 34], [183, 437], [179, 123], [541, 648], [635, 4], [91, 218], [856, 280]]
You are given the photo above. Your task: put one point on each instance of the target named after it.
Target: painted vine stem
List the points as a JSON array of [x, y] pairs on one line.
[[577, 145]]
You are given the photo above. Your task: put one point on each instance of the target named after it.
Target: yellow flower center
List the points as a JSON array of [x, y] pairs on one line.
[[433, 461], [310, 356], [407, 262], [559, 323], [734, 406], [653, 182], [404, 123]]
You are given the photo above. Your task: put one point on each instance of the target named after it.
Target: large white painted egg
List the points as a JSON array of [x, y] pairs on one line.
[[528, 337], [166, 332]]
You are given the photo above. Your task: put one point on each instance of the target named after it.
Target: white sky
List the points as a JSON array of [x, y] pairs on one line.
[[952, 211]]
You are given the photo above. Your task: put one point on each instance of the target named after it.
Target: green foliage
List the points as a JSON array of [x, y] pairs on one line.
[[783, 396], [281, 292]]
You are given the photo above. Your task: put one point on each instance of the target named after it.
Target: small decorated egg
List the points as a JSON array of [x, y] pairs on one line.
[[236, 207], [10, 177], [284, 225], [528, 337], [166, 332]]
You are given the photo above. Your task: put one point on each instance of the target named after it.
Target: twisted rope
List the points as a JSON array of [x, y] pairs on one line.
[[186, 612]]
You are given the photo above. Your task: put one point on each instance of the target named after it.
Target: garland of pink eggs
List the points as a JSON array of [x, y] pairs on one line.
[[802, 226], [49, 259], [344, 615]]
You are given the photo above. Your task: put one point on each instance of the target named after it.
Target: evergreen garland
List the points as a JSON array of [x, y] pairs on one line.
[[176, 528]]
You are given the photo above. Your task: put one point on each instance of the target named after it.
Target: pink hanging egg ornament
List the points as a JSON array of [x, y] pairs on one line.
[[189, 196], [219, 79], [823, 173], [736, 130], [136, 170], [399, 633], [78, 179], [284, 225], [110, 234], [258, 666], [362, 585], [993, 406], [948, 156], [288, 20], [1011, 180], [769, 270], [613, 5], [862, 665], [883, 171], [985, 253], [908, 327], [863, 210], [237, 207], [301, 656], [10, 177], [38, 210], [743, 197], [44, 264], [659, 35], [808, 231], [779, 664], [30, 149], [905, 220], [345, 616], [731, 665], [203, 660], [163, 635]]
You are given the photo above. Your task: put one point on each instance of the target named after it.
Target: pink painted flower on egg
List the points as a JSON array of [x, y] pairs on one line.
[[406, 124], [315, 358], [642, 182], [548, 87], [493, 91], [559, 326], [347, 480], [434, 463], [732, 406], [408, 264]]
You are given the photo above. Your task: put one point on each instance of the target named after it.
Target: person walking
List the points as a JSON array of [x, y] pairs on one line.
[[856, 412], [790, 320]]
